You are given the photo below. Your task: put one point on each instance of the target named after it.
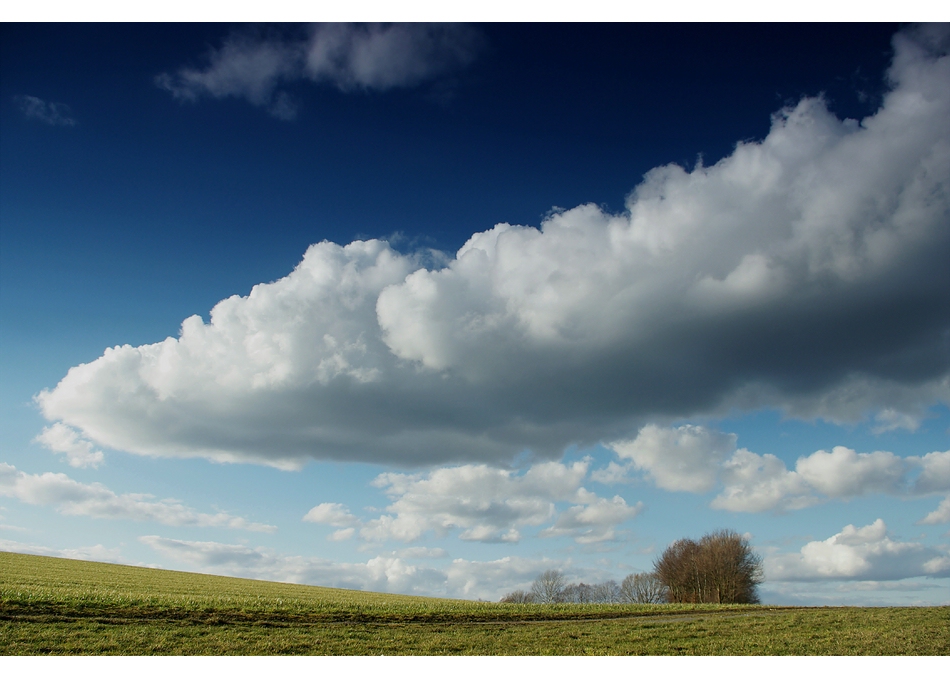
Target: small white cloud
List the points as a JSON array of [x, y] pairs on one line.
[[79, 452], [336, 515], [421, 552], [890, 419], [51, 113], [864, 553], [381, 57], [342, 535], [593, 521], [245, 66], [938, 566], [73, 498], [939, 515]]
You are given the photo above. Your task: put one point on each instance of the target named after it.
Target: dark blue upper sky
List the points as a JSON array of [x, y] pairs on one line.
[[166, 195]]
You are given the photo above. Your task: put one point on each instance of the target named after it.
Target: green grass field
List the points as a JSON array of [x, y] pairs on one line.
[[57, 606]]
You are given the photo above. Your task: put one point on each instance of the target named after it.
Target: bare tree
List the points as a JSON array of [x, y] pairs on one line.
[[676, 570], [733, 569], [577, 593], [644, 588], [548, 587], [518, 596], [721, 568], [607, 592]]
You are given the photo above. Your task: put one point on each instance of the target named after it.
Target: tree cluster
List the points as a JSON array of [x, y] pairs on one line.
[[719, 568], [552, 587]]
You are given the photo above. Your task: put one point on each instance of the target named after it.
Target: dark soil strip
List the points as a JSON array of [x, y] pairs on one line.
[[200, 618]]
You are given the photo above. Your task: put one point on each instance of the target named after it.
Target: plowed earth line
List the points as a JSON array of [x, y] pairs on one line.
[[276, 621]]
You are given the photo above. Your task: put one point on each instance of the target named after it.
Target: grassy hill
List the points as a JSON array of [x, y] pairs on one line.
[[58, 606]]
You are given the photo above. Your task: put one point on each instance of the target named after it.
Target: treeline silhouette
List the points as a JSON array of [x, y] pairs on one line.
[[720, 568]]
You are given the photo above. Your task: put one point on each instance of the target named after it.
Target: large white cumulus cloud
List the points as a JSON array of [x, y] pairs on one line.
[[806, 271]]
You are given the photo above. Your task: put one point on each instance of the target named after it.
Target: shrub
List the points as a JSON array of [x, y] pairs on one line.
[[518, 596]]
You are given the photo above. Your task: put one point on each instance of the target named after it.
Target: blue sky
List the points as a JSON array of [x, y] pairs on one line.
[[433, 308]]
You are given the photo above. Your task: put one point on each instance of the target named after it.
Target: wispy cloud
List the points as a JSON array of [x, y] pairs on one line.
[[805, 272], [71, 497], [49, 112], [394, 573], [97, 553], [254, 66], [4, 526]]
